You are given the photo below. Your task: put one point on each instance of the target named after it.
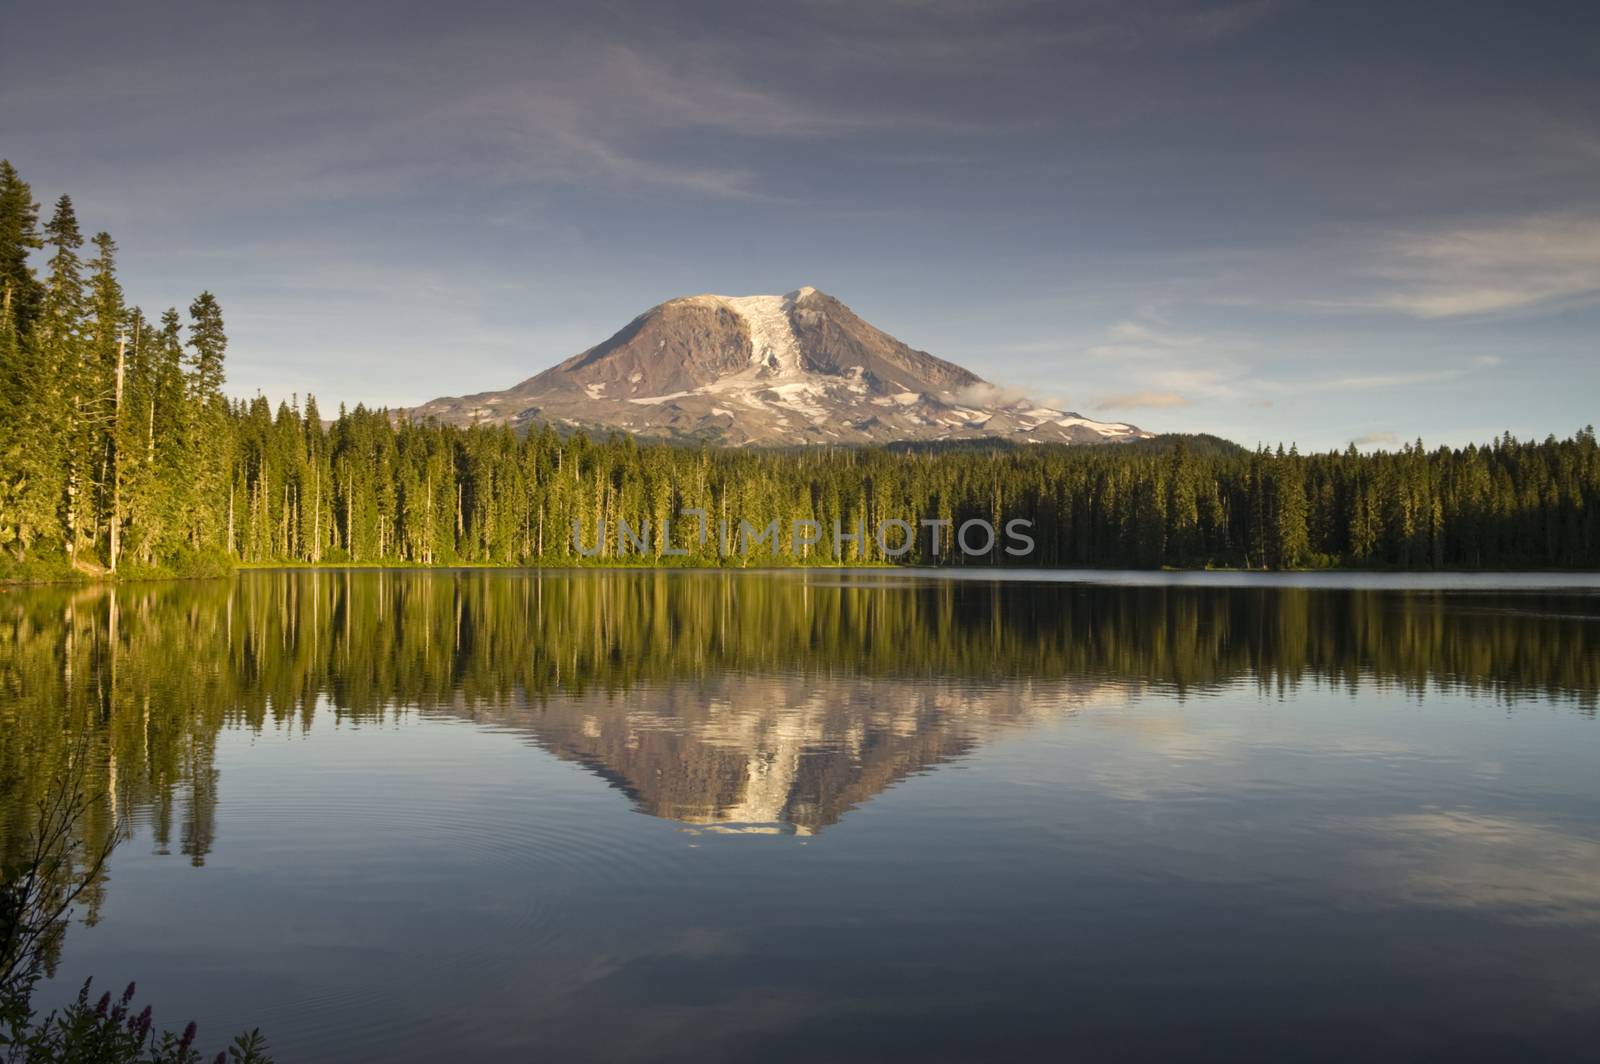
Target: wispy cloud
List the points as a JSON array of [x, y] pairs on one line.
[[1139, 340], [1374, 439], [1493, 268], [1152, 364], [1145, 400], [963, 34], [508, 109], [1164, 367], [1378, 381]]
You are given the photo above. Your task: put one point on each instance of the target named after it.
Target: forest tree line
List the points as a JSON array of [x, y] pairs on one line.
[[120, 451]]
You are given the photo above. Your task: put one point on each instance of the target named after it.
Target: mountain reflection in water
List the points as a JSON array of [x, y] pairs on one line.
[[740, 753], [712, 698], [1312, 804]]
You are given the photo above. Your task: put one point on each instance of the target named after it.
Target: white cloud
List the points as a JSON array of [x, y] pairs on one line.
[[992, 395], [1137, 340], [1137, 332], [1166, 368], [504, 109], [1144, 399], [1493, 268], [1377, 381]]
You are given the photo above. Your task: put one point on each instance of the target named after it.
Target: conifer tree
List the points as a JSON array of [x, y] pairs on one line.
[[1290, 537], [103, 384], [61, 451], [20, 291], [212, 523], [20, 385]]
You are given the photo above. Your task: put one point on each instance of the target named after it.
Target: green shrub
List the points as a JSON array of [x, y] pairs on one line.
[[39, 569], [106, 1032]]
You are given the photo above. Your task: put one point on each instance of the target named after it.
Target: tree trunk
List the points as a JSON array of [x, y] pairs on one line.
[[316, 514], [114, 529]]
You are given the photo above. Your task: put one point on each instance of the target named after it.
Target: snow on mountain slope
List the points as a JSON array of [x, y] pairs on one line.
[[792, 369]]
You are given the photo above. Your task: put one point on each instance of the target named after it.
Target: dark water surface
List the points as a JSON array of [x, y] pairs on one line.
[[429, 816]]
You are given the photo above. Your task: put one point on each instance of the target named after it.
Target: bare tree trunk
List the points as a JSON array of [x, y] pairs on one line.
[[316, 515], [114, 530], [72, 516], [150, 427], [73, 474], [259, 528]]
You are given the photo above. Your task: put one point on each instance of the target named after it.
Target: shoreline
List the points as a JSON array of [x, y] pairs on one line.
[[84, 579]]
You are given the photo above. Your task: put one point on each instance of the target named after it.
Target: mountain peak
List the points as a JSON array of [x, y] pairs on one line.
[[799, 295], [768, 369]]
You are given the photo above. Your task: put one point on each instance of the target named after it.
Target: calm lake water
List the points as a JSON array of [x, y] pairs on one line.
[[616, 816]]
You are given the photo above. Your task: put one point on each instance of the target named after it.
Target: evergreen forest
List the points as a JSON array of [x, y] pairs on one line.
[[121, 452]]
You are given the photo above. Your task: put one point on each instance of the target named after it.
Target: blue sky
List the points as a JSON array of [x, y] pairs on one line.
[[1273, 220]]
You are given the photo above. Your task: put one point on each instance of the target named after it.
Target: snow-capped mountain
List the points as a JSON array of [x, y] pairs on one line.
[[793, 369]]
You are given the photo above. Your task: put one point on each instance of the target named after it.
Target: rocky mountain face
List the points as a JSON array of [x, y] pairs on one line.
[[775, 370]]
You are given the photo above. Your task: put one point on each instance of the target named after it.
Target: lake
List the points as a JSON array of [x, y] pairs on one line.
[[832, 815]]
